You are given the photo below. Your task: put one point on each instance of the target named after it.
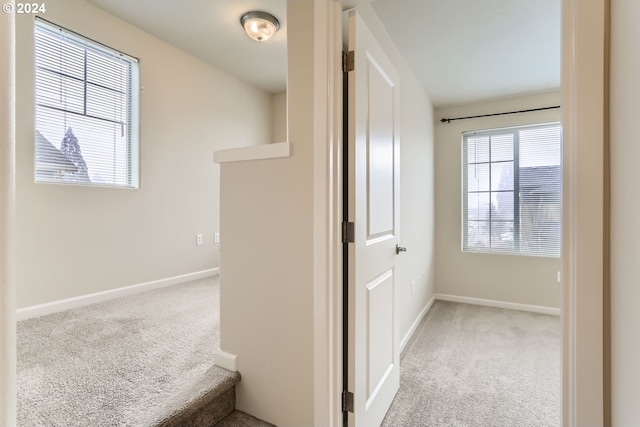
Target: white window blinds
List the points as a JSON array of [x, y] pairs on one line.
[[512, 190], [86, 110]]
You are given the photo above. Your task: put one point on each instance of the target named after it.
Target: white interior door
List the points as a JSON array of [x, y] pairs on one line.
[[373, 201]]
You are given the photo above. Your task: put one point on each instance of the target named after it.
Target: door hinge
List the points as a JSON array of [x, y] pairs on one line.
[[348, 232], [347, 401], [348, 61]]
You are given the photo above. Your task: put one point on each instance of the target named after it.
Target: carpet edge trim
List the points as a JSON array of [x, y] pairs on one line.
[[83, 300], [499, 304], [415, 323]]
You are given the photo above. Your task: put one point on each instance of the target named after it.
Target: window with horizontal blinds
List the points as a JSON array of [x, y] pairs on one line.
[[86, 97], [512, 190]]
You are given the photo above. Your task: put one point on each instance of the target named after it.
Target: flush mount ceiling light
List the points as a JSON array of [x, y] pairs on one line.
[[260, 26]]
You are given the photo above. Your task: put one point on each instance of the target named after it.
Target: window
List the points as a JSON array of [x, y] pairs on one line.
[[86, 111], [512, 190]]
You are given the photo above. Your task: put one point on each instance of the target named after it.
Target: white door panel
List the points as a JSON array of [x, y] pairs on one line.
[[380, 206], [373, 201], [380, 332]]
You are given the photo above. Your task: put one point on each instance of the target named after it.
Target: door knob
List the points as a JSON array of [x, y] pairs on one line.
[[400, 249]]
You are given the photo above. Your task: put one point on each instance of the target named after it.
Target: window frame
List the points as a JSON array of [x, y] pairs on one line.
[[515, 131], [132, 125]]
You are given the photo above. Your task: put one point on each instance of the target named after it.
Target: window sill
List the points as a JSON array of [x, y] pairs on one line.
[[508, 253]]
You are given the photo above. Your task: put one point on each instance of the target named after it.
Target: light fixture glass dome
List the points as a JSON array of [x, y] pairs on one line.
[[260, 26]]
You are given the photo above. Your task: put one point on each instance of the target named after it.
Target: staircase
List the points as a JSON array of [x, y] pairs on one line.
[[208, 403], [141, 361]]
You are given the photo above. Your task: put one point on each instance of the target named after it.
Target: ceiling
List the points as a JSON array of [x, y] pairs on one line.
[[461, 50], [211, 30], [468, 50]]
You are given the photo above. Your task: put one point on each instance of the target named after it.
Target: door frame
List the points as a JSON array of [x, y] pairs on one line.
[[586, 397], [7, 222], [585, 371], [327, 200]]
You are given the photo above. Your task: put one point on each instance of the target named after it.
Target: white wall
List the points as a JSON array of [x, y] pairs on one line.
[[510, 278], [76, 240], [417, 194], [625, 212], [279, 113], [7, 217], [267, 220]]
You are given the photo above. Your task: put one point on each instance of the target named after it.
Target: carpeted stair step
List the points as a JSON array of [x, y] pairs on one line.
[[204, 404], [242, 419]]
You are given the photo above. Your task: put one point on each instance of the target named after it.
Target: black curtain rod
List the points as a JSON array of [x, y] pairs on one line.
[[499, 114]]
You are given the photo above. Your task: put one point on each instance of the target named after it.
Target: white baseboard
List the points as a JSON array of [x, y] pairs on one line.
[[500, 304], [66, 304], [226, 360], [415, 324]]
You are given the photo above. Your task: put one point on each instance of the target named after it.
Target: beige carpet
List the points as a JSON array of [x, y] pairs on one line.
[[242, 419], [133, 361], [470, 365]]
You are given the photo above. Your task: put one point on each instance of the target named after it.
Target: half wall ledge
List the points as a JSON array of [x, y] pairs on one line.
[[257, 152]]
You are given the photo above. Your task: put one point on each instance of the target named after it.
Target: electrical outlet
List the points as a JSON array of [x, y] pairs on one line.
[[198, 239], [559, 277], [216, 237]]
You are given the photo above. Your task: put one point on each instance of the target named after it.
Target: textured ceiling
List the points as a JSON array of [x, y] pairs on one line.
[[461, 50]]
